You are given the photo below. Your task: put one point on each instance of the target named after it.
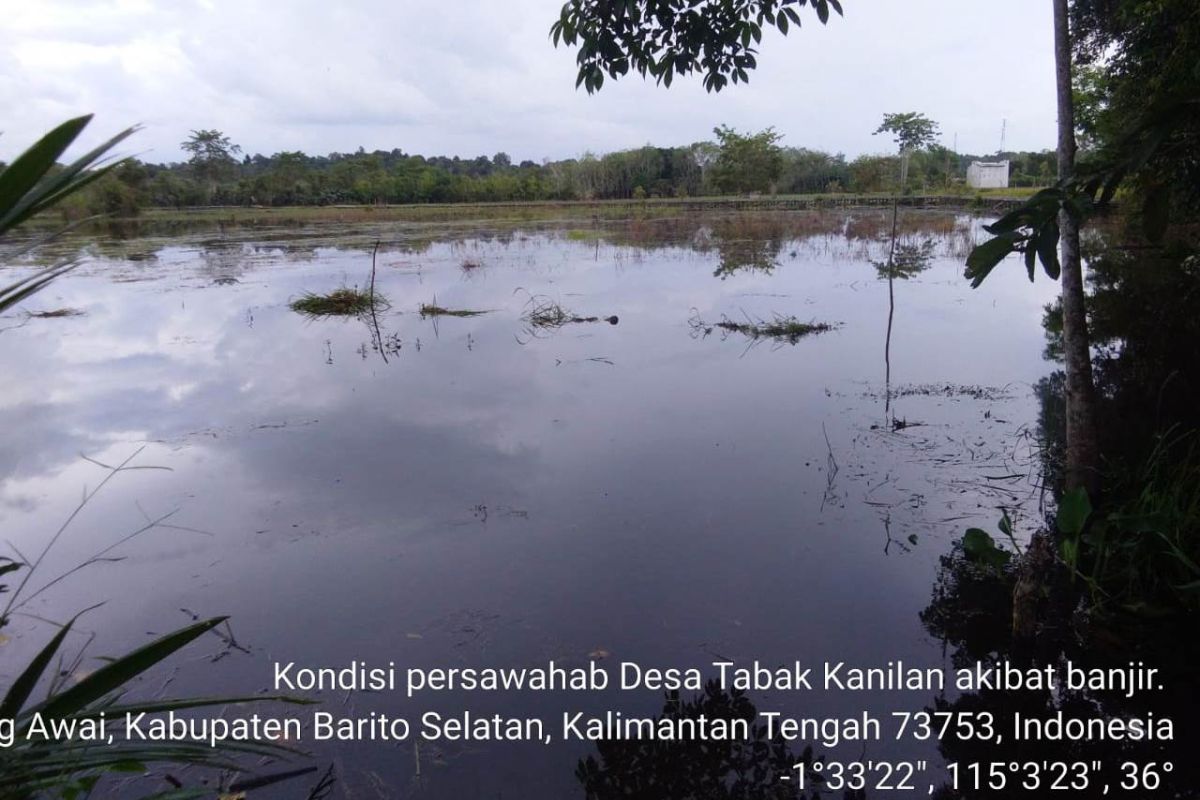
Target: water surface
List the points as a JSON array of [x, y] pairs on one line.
[[481, 492]]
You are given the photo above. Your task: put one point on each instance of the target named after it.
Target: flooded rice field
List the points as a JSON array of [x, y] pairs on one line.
[[671, 442]]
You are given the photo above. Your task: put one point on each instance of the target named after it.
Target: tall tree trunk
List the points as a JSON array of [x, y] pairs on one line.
[[1083, 448]]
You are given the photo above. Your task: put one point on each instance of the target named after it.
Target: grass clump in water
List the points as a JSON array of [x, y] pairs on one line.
[[434, 310], [547, 314], [57, 313], [345, 301], [781, 329], [542, 313]]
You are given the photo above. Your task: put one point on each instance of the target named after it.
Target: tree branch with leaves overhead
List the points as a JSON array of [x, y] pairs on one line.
[[666, 38]]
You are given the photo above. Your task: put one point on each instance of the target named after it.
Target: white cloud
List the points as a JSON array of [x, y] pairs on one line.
[[478, 76]]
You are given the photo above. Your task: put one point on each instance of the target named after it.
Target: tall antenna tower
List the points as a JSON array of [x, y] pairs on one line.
[[1003, 133]]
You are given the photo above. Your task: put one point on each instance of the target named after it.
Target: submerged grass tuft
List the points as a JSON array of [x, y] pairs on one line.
[[542, 313], [57, 313], [434, 310], [788, 328], [547, 314], [345, 301], [782, 329]]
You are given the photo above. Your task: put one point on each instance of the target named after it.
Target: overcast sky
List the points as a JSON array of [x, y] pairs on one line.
[[471, 77]]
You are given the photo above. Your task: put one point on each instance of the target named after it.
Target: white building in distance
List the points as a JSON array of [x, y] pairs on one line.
[[988, 175]]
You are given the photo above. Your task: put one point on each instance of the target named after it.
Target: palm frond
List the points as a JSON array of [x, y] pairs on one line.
[[32, 183]]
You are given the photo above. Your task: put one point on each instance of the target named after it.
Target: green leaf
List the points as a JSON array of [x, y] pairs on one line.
[[16, 292], [113, 676], [1073, 512], [980, 547], [23, 174], [1069, 550], [1047, 250], [50, 189], [985, 257], [23, 686]]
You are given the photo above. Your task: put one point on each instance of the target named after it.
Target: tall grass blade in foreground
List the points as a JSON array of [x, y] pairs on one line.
[[33, 766], [71, 765], [31, 184]]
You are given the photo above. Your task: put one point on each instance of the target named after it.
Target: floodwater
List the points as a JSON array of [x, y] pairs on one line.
[[484, 492]]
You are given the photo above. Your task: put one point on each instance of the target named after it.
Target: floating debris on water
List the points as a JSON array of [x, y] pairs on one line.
[[434, 310], [947, 390], [542, 313], [57, 313], [781, 329], [345, 301]]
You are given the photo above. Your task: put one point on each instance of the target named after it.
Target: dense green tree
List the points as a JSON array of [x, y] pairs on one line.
[[746, 162], [393, 176], [1141, 86], [212, 156], [912, 132], [811, 171], [1090, 86], [874, 174]]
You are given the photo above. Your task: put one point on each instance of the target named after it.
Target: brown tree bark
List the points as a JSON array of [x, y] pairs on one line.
[[1083, 447]]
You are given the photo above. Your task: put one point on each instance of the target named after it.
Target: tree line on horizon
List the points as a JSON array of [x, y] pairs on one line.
[[217, 173]]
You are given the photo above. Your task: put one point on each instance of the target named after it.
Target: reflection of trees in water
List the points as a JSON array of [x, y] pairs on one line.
[[905, 260], [971, 608], [705, 770], [742, 255], [222, 260], [1051, 392], [837, 235], [970, 612], [1144, 325], [1142, 310], [908, 260], [743, 241]]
